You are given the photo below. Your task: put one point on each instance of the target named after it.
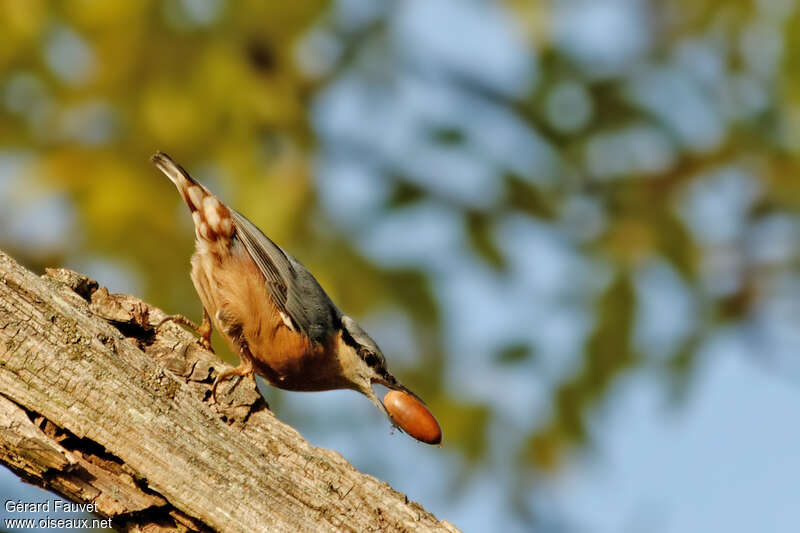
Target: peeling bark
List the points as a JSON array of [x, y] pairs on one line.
[[98, 407]]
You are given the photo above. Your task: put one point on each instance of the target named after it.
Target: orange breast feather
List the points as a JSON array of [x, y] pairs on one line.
[[287, 359]]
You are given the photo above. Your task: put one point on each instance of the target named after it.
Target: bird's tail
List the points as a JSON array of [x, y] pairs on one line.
[[193, 193], [212, 219]]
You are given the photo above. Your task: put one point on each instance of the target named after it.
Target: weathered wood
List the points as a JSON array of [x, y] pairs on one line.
[[99, 407]]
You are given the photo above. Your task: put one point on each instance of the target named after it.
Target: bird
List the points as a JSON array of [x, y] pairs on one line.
[[270, 309]]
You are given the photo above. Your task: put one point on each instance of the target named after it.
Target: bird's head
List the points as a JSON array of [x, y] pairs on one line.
[[363, 363]]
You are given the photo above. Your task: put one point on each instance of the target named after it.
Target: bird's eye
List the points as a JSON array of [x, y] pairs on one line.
[[371, 359]]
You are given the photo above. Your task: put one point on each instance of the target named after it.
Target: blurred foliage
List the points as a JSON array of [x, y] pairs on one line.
[[608, 352], [89, 90]]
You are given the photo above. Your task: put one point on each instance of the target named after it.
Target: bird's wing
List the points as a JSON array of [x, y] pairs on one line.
[[292, 288]]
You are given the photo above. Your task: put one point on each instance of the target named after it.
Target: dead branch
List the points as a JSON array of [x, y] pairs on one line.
[[97, 406]]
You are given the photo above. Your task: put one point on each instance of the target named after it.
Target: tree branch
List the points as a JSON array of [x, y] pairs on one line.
[[98, 407]]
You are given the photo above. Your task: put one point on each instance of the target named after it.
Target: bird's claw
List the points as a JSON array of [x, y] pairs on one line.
[[234, 372], [178, 319], [203, 330], [205, 344]]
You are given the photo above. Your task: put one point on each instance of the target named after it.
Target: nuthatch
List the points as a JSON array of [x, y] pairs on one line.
[[271, 310]]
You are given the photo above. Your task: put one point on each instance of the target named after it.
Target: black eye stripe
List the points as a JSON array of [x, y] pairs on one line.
[[348, 339], [367, 355]]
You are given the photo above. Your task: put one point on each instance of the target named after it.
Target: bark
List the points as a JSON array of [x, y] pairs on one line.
[[97, 406]]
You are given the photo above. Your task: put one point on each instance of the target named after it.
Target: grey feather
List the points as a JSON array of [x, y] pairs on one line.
[[293, 289]]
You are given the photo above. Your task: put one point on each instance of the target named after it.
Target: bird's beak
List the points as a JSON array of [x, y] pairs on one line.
[[393, 384], [369, 392]]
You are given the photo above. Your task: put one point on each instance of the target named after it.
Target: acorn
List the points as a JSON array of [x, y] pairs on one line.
[[411, 415]]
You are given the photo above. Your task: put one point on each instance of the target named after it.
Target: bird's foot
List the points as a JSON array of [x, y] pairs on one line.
[[239, 372], [203, 330]]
